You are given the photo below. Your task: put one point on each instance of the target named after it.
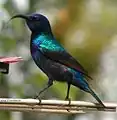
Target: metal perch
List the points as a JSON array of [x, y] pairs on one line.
[[53, 106]]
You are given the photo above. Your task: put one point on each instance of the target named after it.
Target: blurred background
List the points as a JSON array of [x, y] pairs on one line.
[[86, 28]]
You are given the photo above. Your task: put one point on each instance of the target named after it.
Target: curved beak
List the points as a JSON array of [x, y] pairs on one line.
[[20, 16]]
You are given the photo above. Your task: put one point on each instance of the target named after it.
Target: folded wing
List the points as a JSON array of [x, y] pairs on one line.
[[56, 52]]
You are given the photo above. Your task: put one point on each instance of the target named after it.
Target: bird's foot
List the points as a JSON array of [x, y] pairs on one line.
[[37, 97], [68, 99]]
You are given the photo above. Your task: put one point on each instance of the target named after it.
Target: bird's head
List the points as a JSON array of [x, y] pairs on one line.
[[36, 22]]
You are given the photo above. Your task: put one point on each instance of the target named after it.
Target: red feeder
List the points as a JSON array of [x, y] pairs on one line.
[[5, 61]]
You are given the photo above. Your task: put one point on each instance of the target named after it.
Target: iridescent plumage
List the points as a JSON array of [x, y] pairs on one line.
[[53, 59]]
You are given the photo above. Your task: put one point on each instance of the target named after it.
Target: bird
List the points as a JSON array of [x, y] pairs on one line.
[[52, 58]]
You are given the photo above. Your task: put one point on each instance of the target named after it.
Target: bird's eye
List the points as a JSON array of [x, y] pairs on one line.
[[35, 18]]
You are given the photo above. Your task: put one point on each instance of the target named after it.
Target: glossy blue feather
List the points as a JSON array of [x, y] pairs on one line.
[[47, 42]]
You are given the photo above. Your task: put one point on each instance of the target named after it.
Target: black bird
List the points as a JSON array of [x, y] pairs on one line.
[[52, 58]]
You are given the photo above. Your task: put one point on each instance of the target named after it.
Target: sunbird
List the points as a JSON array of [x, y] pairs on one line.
[[52, 58]]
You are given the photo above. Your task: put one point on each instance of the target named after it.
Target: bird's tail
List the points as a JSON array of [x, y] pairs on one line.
[[96, 97]]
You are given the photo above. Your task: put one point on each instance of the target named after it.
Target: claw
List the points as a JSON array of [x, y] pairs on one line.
[[68, 99], [37, 97], [39, 100]]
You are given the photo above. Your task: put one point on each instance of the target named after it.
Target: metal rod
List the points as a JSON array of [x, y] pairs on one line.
[[53, 106]]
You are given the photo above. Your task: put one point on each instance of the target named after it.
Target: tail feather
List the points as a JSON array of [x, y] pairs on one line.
[[96, 97]]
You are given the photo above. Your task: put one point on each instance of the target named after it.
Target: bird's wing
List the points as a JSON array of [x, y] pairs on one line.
[[56, 52]]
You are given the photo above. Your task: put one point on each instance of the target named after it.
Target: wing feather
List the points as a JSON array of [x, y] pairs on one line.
[[56, 52]]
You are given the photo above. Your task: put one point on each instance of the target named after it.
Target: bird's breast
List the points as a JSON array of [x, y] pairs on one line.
[[33, 49], [38, 58]]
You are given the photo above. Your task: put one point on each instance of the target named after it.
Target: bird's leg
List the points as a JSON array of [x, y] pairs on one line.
[[50, 83], [67, 96]]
